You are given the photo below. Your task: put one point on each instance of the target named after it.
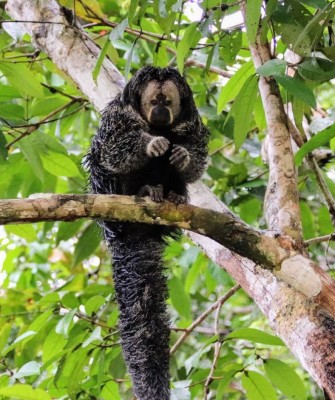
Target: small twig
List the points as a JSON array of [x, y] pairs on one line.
[[33, 127], [201, 329], [217, 349], [202, 317], [92, 321], [320, 239]]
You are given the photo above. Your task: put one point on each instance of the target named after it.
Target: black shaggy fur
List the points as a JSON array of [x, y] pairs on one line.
[[118, 163]]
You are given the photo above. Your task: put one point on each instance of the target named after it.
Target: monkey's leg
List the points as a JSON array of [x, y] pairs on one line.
[[176, 198]]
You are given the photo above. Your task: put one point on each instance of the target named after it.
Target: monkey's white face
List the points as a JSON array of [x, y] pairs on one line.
[[160, 103]]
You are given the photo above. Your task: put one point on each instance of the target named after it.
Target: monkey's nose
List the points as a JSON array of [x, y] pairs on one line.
[[160, 116]]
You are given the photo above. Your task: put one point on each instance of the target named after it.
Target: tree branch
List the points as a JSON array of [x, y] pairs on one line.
[[282, 199]]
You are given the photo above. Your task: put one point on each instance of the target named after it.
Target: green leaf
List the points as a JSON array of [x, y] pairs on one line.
[[257, 386], [24, 392], [67, 230], [59, 164], [213, 55], [24, 231], [315, 3], [129, 60], [285, 379], [132, 10], [319, 139], [8, 92], [117, 33], [272, 67], [40, 321], [24, 338], [297, 88], [317, 69], [49, 298], [234, 85], [162, 8], [3, 149], [314, 26], [23, 79], [191, 37], [307, 220], [87, 243], [110, 391], [227, 376], [100, 60], [256, 336], [53, 344], [324, 220], [253, 13], [12, 112], [28, 369], [179, 299], [94, 304], [64, 324], [47, 105], [31, 148], [242, 110], [94, 336], [75, 367]]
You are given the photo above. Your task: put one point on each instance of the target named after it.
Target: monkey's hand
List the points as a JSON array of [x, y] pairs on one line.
[[157, 146], [180, 157]]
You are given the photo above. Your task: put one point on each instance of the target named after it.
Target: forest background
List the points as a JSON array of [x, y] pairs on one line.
[[58, 316]]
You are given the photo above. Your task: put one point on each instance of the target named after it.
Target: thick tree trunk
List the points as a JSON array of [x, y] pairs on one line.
[[297, 297]]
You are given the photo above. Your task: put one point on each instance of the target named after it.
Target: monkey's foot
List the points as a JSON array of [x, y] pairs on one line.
[[155, 192], [176, 198]]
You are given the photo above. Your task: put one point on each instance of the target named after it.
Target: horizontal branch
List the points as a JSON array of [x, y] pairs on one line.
[[225, 228]]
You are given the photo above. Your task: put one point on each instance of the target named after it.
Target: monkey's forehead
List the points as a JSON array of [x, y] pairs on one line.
[[167, 88]]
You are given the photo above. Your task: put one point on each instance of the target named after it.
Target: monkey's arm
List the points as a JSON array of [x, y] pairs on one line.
[[122, 144]]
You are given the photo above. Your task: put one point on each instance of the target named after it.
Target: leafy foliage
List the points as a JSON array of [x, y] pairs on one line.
[[58, 332]]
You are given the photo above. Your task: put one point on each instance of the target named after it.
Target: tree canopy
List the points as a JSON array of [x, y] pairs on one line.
[[58, 316]]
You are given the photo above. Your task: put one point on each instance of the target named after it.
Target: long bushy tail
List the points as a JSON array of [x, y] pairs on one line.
[[141, 290]]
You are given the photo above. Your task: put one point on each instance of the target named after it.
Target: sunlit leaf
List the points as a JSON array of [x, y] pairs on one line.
[[253, 18], [94, 336], [242, 110], [285, 379], [29, 369], [180, 301], [231, 89], [64, 324], [24, 231], [23, 79], [190, 38], [319, 139], [256, 336], [93, 304], [59, 164], [257, 386], [24, 392]]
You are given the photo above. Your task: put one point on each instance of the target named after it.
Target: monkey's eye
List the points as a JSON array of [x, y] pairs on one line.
[[154, 102], [167, 102]]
